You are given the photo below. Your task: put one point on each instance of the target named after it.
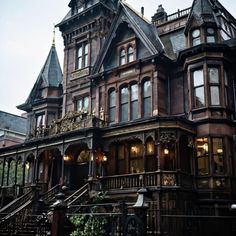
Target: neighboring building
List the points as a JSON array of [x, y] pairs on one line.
[[142, 107], [12, 129]]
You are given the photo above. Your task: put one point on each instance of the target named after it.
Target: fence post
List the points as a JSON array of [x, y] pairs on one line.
[[58, 216]]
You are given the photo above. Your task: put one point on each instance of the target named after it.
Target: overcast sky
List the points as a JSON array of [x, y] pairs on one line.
[[26, 38]]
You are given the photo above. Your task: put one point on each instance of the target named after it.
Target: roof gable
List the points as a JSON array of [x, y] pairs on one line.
[[142, 29]]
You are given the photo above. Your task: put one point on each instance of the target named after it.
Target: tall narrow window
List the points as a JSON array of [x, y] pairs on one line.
[[122, 57], [210, 35], [198, 84], [202, 156], [218, 155], [40, 121], [130, 54], [112, 105], [196, 40], [147, 98], [214, 81], [82, 56], [134, 101], [124, 104]]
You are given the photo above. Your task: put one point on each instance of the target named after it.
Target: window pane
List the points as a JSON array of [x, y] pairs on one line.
[[112, 98], [198, 78], [124, 95], [215, 95], [122, 57], [79, 105], [196, 41], [218, 154], [86, 103], [199, 99], [86, 48], [134, 92], [136, 150], [211, 39], [112, 114], [134, 110], [147, 107], [124, 112], [85, 60], [202, 156], [79, 63], [147, 89], [80, 51], [130, 54], [213, 74]]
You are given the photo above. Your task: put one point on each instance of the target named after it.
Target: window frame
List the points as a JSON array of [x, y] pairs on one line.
[[82, 100], [82, 55]]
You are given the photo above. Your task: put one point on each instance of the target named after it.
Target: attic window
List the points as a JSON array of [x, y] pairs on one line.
[[130, 55], [196, 37], [82, 55], [210, 35]]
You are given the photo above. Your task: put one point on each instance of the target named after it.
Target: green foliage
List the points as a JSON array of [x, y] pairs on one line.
[[89, 224]]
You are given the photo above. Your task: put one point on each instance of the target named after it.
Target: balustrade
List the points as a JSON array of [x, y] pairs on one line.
[[150, 179]]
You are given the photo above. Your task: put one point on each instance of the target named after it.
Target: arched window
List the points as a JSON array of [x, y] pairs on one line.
[[122, 56], [112, 105], [130, 54], [146, 98], [124, 104], [134, 101]]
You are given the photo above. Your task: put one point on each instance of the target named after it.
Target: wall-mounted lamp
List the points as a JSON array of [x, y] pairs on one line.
[[104, 158], [66, 158], [166, 151]]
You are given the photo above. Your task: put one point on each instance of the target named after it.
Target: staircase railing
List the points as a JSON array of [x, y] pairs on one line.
[[51, 193], [74, 198], [15, 204]]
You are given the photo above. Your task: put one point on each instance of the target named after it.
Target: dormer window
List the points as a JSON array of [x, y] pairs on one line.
[[210, 35], [126, 52], [82, 56], [196, 40]]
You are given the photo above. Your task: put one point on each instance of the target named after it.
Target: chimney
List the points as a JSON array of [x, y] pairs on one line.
[[142, 11], [160, 15]]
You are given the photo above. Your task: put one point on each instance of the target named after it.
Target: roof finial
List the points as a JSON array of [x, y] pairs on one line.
[[53, 40]]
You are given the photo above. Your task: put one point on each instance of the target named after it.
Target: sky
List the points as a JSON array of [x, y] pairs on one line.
[[27, 34]]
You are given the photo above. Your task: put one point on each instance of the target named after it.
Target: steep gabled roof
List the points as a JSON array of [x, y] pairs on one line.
[[50, 75], [201, 12], [146, 32]]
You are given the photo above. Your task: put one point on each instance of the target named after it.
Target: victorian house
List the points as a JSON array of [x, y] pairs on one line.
[[143, 108]]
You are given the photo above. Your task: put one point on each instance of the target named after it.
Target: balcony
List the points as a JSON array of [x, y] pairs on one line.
[[72, 121], [152, 180]]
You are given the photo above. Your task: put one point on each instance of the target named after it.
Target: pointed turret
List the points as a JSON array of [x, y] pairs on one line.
[[44, 102], [201, 13]]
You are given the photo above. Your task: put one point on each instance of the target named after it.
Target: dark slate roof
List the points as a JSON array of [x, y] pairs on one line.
[[51, 72], [202, 12], [50, 75], [12, 122], [146, 32]]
